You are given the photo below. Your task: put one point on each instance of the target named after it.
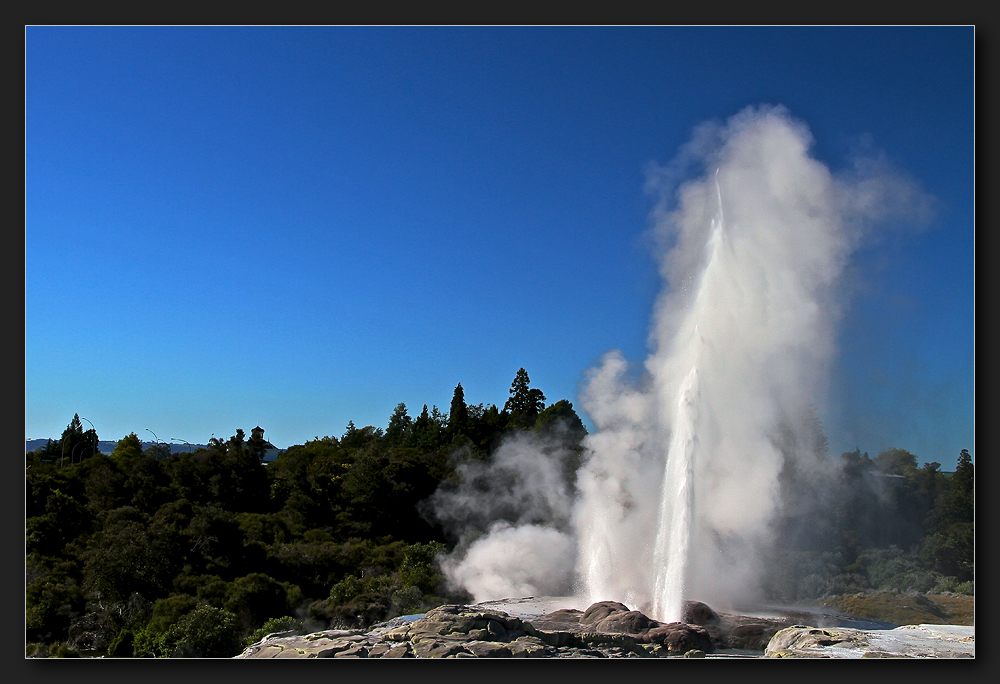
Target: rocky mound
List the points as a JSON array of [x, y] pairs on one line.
[[909, 641], [605, 630], [608, 629]]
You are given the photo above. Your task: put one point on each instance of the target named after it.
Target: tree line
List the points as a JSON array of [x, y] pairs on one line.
[[878, 524], [144, 553]]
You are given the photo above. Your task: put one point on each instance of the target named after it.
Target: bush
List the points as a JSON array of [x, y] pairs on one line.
[[206, 632], [346, 589], [274, 625], [168, 611], [406, 601], [256, 598], [35, 650], [63, 651], [967, 588], [147, 643], [419, 567]]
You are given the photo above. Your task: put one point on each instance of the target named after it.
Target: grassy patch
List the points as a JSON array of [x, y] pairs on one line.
[[906, 609]]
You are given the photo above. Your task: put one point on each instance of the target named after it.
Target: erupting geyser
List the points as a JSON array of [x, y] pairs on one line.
[[681, 479]]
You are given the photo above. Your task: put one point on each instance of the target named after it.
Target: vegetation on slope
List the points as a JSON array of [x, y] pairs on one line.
[[143, 553]]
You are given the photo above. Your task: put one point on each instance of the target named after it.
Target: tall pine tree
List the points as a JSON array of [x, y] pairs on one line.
[[525, 402]]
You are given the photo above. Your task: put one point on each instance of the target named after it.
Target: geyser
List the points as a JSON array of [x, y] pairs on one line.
[[681, 477]]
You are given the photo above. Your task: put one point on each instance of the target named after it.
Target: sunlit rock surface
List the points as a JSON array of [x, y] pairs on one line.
[[909, 641], [556, 628], [605, 630]]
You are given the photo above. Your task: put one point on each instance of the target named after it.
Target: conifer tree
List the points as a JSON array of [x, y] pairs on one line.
[[458, 416], [525, 402]]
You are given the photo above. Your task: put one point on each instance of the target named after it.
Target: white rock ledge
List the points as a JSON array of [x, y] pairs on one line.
[[909, 641]]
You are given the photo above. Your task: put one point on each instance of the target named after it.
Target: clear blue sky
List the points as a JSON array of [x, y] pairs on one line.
[[299, 227]]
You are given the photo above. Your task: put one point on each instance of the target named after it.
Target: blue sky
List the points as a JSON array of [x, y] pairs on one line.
[[300, 226]]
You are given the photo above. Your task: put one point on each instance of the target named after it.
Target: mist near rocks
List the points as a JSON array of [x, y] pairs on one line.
[[513, 520], [682, 477]]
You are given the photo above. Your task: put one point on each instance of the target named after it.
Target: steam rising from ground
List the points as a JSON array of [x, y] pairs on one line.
[[513, 516], [681, 479]]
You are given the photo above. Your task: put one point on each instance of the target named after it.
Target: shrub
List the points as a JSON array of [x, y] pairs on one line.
[[36, 650], [274, 625], [967, 588], [406, 601], [168, 611], [206, 632], [256, 598], [63, 651], [346, 589], [147, 643]]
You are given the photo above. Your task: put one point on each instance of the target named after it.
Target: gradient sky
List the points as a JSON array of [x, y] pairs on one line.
[[298, 227]]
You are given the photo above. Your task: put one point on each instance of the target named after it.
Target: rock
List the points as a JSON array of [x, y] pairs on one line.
[[404, 651], [567, 619], [556, 639], [813, 639], [629, 622], [602, 640], [610, 630], [909, 641], [489, 649], [437, 648], [752, 637], [527, 647], [680, 637], [600, 610], [698, 613]]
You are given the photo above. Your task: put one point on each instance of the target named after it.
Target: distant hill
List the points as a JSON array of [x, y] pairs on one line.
[[106, 447]]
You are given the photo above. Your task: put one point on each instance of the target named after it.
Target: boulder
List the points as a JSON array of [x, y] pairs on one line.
[[679, 637], [698, 613], [600, 610], [629, 622], [563, 620], [489, 649], [751, 637], [437, 648], [527, 647]]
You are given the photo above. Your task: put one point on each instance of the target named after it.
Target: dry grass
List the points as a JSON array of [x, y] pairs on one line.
[[906, 609]]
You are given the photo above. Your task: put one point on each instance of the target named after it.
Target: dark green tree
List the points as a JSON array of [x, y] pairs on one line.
[[75, 444], [958, 503], [561, 414], [205, 632], [426, 431], [400, 429], [951, 548], [358, 438], [896, 462], [129, 446], [458, 416], [525, 402], [238, 442], [126, 558], [255, 598]]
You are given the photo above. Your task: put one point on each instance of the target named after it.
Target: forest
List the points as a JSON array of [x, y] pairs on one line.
[[143, 553]]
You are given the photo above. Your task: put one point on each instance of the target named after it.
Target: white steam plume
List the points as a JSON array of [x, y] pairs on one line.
[[513, 515], [682, 478]]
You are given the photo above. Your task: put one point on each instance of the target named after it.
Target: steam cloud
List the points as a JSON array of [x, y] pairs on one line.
[[514, 517], [681, 478]]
